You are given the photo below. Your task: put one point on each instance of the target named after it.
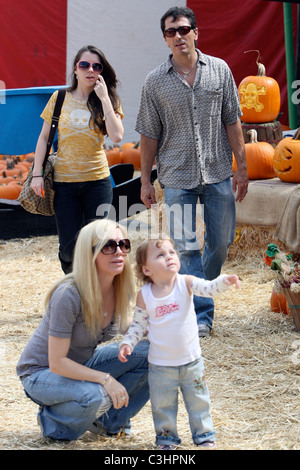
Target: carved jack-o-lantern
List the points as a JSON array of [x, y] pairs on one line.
[[286, 160], [259, 97]]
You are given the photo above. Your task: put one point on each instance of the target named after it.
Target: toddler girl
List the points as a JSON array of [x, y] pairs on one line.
[[165, 310]]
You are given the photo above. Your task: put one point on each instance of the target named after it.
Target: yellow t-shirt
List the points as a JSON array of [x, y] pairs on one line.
[[80, 153]]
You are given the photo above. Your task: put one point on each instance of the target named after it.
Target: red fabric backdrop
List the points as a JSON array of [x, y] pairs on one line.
[[33, 38], [228, 28]]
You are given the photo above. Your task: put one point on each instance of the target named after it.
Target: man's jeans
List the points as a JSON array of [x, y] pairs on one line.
[[75, 205], [164, 383], [218, 204], [69, 407]]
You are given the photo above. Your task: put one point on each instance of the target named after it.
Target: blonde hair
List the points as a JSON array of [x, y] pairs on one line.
[[141, 256], [90, 241]]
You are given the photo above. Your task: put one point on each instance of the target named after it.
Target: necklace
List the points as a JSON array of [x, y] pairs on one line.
[[184, 74]]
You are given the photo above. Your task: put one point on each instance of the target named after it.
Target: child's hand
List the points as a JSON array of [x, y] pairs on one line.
[[232, 279], [125, 350]]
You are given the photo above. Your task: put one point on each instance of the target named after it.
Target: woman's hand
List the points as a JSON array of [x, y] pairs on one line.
[[113, 122], [101, 88], [37, 185], [117, 393]]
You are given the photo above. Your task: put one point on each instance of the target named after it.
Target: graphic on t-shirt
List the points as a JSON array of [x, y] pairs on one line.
[[162, 310], [80, 118]]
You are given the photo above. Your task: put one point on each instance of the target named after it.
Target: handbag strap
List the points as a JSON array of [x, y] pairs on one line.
[[55, 118]]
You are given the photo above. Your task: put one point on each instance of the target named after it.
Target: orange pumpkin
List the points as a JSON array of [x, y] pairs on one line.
[[113, 156], [279, 303], [12, 172], [26, 155], [21, 167], [29, 158], [4, 179], [21, 177], [10, 191], [127, 145], [259, 157], [132, 156], [26, 164], [287, 159], [259, 96]]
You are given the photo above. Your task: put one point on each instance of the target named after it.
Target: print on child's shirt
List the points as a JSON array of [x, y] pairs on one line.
[[162, 310]]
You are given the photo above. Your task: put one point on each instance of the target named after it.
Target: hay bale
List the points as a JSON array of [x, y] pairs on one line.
[[253, 240]]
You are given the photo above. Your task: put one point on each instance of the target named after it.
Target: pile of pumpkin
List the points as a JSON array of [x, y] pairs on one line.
[[14, 168], [264, 161], [13, 172], [129, 152], [260, 104]]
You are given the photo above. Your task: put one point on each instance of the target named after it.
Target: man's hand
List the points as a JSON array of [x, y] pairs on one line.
[[148, 194], [240, 184]]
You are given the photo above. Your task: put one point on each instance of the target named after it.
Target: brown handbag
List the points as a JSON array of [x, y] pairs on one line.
[[27, 198]]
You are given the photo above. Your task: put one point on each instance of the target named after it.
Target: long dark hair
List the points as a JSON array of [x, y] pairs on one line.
[[93, 102]]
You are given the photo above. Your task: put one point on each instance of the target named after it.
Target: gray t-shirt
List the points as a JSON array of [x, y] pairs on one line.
[[63, 319]]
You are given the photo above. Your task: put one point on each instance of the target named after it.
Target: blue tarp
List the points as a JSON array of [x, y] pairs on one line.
[[20, 121]]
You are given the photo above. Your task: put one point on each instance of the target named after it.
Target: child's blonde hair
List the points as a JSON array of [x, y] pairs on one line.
[[141, 256], [90, 241]]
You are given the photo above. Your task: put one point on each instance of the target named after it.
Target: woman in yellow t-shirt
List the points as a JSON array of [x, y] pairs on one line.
[[90, 111]]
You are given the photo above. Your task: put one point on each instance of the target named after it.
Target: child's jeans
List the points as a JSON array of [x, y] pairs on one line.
[[164, 383]]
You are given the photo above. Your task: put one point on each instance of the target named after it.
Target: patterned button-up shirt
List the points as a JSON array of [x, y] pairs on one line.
[[188, 122]]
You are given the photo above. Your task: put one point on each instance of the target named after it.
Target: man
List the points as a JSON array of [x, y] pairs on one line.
[[189, 121]]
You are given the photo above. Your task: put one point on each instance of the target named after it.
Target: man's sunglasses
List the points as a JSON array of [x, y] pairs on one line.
[[182, 30], [111, 246], [84, 65]]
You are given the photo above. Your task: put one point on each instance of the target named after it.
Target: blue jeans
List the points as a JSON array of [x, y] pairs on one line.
[[219, 218], [69, 407], [164, 383], [75, 205]]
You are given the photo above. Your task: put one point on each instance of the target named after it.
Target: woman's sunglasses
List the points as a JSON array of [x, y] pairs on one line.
[[84, 65], [182, 30], [111, 246]]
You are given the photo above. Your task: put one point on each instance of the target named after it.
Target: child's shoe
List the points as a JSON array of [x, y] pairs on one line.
[[206, 444], [167, 447]]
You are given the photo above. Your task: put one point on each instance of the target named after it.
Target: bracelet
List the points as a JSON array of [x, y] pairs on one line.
[[106, 379], [37, 176]]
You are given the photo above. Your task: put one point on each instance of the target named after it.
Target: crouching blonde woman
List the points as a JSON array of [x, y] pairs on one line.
[[79, 385]]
